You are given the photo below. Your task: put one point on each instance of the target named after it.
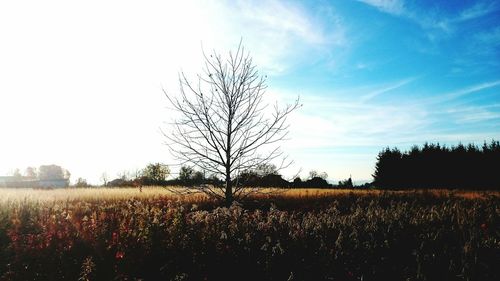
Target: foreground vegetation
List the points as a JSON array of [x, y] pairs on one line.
[[124, 234]]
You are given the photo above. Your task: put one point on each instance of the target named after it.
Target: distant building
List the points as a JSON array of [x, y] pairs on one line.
[[53, 183], [4, 180], [27, 182]]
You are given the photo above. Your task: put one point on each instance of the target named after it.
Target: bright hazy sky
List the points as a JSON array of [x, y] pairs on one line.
[[80, 81]]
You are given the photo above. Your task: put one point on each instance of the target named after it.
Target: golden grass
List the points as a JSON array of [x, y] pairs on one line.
[[317, 192], [326, 192], [85, 194], [110, 194]]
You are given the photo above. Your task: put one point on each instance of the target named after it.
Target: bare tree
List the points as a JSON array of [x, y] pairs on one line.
[[313, 174], [224, 126], [104, 178], [31, 172]]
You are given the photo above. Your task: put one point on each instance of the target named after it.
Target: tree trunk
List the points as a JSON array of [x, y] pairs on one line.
[[229, 189]]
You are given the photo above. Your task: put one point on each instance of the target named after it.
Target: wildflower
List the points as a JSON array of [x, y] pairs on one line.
[[119, 255], [114, 238]]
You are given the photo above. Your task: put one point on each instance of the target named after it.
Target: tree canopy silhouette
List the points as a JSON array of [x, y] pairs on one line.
[[437, 166], [154, 173]]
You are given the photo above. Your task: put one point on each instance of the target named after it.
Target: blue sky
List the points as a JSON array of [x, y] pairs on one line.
[[81, 82]]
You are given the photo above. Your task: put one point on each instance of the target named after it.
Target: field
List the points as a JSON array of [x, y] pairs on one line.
[[125, 234]]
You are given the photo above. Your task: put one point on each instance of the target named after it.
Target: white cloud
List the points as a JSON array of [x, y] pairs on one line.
[[485, 43], [279, 34], [433, 18], [326, 122], [388, 88], [444, 98], [395, 7], [430, 19], [478, 116], [478, 10], [475, 114], [469, 90], [327, 126]]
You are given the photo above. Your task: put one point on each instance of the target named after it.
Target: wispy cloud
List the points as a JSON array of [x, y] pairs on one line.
[[386, 89], [326, 122], [279, 33], [473, 108], [478, 116], [395, 7], [329, 121], [490, 38], [285, 18], [445, 98], [474, 114], [433, 19], [450, 23], [480, 9], [485, 43], [399, 8], [472, 89]]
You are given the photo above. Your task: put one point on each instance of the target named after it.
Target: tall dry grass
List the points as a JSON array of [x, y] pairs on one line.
[[114, 194], [85, 194]]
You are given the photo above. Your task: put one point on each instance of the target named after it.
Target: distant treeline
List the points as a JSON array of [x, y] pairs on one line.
[[247, 179], [265, 175], [436, 166]]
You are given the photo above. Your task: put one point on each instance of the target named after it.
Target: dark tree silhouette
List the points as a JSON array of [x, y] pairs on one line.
[[154, 173], [189, 177], [223, 127], [346, 183], [437, 166]]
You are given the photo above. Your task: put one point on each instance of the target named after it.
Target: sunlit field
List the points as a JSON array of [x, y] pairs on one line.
[[307, 234], [84, 194], [106, 194]]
